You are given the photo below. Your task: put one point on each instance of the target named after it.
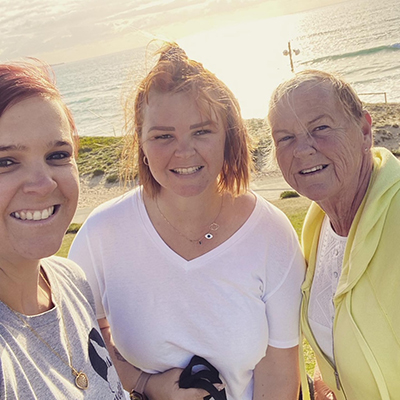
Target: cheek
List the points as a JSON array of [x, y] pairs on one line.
[[284, 160]]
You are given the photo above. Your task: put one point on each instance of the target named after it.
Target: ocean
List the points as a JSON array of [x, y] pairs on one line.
[[359, 39]]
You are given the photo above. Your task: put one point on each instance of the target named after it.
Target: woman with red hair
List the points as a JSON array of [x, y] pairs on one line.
[[50, 345], [191, 262]]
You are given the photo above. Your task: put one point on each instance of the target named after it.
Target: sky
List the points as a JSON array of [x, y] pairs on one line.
[[59, 31]]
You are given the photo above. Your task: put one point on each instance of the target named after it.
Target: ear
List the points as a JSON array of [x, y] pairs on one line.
[[366, 129]]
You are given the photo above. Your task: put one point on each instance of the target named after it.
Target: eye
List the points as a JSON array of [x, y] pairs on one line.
[[284, 139], [163, 136], [321, 128], [6, 162], [59, 156], [201, 132]]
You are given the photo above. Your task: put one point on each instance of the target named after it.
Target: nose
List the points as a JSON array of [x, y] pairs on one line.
[[185, 148], [39, 180], [304, 146]]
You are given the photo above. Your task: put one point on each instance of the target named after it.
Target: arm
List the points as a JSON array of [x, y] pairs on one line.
[[277, 375], [128, 374], [163, 386], [321, 390]]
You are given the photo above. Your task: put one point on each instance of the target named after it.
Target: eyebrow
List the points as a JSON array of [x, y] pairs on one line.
[[172, 129], [13, 147], [319, 117], [275, 131], [20, 147]]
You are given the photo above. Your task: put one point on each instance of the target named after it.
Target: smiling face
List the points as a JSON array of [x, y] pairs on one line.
[[322, 154], [185, 150], [38, 179]]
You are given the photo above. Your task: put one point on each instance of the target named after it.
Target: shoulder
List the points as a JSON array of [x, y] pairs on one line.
[[66, 272], [63, 267], [115, 208], [117, 204], [270, 215]]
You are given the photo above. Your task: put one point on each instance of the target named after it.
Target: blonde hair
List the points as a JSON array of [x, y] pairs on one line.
[[176, 73], [343, 92]]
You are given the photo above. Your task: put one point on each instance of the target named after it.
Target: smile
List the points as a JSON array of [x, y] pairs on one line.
[[34, 215], [186, 171], [313, 169]]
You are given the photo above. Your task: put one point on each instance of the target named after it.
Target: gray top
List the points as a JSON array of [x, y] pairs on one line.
[[30, 370]]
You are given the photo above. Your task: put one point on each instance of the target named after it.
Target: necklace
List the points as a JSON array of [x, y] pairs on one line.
[[81, 379], [209, 235]]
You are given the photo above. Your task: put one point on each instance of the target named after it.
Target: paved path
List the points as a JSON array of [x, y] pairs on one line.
[[269, 187]]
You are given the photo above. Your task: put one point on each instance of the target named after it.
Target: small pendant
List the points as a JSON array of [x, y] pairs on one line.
[[213, 227], [209, 236], [81, 380]]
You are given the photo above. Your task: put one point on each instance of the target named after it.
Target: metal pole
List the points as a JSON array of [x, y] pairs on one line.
[[290, 56]]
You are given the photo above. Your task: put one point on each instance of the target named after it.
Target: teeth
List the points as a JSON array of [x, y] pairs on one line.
[[313, 169], [36, 215], [186, 171]]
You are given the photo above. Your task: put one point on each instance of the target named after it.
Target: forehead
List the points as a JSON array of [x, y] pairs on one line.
[[34, 114], [307, 100], [174, 106]]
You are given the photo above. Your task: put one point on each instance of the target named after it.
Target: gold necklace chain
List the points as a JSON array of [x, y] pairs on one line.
[[212, 228], [81, 379]]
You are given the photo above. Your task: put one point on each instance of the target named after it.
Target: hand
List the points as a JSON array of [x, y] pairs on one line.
[[165, 386], [321, 390]]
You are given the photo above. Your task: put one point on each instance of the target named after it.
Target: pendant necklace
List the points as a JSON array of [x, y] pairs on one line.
[[81, 379], [209, 235]]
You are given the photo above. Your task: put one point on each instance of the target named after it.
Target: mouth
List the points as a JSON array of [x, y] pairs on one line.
[[186, 171], [313, 169], [34, 215]]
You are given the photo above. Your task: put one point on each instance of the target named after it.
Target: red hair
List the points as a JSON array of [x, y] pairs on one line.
[[176, 73], [21, 80]]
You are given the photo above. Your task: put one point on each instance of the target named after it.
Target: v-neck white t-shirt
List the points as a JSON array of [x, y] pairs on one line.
[[226, 305]]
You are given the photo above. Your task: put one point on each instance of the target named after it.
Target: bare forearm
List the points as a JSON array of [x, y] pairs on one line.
[[128, 374], [277, 375]]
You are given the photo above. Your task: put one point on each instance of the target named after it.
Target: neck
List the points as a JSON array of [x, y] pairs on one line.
[[341, 212], [23, 290], [199, 208]]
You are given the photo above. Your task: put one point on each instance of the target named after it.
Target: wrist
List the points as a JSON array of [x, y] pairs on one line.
[[137, 393]]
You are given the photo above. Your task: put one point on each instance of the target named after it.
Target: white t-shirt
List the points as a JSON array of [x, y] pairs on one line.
[[321, 311], [226, 305]]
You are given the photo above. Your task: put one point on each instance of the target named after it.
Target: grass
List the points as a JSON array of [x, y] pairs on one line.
[[99, 156]]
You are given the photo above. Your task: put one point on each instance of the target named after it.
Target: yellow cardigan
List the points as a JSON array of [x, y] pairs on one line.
[[367, 302]]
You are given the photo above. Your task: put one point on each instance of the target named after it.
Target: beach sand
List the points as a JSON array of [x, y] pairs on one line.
[[269, 184]]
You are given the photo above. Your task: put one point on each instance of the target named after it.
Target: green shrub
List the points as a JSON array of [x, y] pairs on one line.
[[98, 172], [113, 178], [74, 228], [396, 152], [287, 194]]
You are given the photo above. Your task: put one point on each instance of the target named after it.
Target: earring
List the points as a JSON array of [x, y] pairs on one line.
[[145, 161], [366, 150]]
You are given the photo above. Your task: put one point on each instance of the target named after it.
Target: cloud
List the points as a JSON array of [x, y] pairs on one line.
[[31, 27]]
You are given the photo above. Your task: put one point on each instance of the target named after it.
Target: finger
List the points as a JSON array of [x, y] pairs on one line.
[[220, 386]]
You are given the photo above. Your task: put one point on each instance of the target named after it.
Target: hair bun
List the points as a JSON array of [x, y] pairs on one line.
[[172, 52]]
